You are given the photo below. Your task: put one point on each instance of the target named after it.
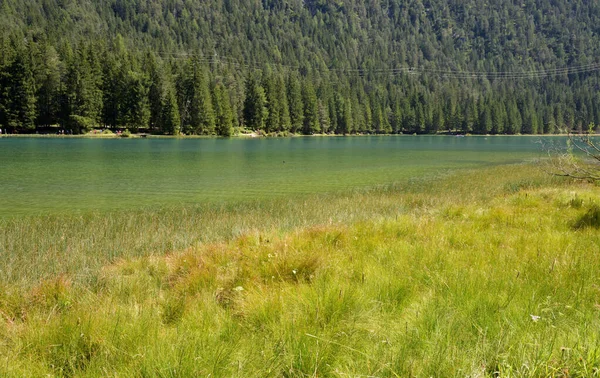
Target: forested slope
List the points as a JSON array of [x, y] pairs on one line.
[[204, 67]]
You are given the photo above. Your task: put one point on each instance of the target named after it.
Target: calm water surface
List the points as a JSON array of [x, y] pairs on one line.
[[52, 175]]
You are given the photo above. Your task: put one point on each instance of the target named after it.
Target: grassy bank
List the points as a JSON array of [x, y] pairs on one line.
[[490, 272]]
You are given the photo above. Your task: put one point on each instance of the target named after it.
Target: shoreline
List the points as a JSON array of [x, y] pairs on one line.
[[262, 136]]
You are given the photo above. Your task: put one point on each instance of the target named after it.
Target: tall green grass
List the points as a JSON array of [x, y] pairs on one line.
[[490, 273], [36, 247]]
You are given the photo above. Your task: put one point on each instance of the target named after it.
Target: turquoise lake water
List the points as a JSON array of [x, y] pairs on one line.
[[57, 175]]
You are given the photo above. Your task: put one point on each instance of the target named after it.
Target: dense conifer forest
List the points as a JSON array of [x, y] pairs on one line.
[[301, 66]]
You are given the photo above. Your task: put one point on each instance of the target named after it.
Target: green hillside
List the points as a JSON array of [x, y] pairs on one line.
[[206, 67]]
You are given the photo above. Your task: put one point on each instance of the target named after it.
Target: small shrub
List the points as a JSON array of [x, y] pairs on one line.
[[81, 124], [125, 134]]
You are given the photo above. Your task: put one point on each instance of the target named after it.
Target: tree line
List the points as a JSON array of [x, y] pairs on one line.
[[312, 66], [94, 86]]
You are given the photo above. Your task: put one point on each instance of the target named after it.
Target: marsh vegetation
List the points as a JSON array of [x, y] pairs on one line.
[[492, 271]]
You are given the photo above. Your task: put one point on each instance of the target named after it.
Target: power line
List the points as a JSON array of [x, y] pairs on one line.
[[456, 74]]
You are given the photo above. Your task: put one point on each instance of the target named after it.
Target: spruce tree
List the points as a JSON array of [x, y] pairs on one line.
[[21, 107], [136, 109], [514, 122], [48, 92], [223, 112], [367, 118], [285, 121], [6, 53], [170, 120], [396, 120], [255, 105], [419, 126], [498, 118], [438, 119], [113, 86], [273, 103], [295, 102], [202, 116], [485, 120], [378, 123], [333, 114], [156, 93], [311, 109], [470, 116], [324, 118]]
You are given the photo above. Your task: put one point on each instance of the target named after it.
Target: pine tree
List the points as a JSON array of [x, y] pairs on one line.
[[379, 124], [438, 120], [396, 119], [296, 106], [339, 107], [285, 122], [324, 119], [430, 128], [549, 122], [419, 118], [530, 120], [137, 109], [273, 104], [485, 120], [113, 86], [21, 107], [498, 118], [343, 115], [156, 93], [408, 117], [94, 83], [202, 116], [347, 119], [559, 117], [311, 109], [514, 122], [170, 120], [255, 105], [224, 115], [333, 114], [471, 117], [48, 93], [367, 123]]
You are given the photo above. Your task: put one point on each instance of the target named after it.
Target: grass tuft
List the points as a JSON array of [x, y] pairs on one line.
[[591, 218]]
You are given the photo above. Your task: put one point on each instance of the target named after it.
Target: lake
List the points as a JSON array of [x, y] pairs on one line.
[[55, 175]]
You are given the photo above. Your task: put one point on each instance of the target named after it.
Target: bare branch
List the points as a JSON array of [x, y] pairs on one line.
[[579, 158]]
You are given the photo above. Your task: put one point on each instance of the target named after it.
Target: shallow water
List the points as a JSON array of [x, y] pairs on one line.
[[56, 175]]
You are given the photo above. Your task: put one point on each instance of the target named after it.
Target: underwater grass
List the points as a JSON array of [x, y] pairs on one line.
[[486, 273]]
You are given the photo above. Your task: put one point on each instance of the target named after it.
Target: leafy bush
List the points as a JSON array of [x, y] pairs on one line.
[[81, 124]]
